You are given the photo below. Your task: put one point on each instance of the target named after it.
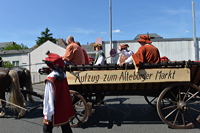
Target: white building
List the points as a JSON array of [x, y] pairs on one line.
[[176, 49]]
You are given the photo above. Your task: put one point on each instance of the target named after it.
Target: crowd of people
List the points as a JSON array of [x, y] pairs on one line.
[[57, 103], [76, 55]]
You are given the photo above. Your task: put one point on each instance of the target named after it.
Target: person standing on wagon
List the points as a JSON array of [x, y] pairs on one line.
[[100, 56], [125, 53], [147, 53], [57, 103], [73, 53]]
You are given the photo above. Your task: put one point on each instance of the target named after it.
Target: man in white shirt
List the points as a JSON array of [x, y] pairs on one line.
[[58, 108]]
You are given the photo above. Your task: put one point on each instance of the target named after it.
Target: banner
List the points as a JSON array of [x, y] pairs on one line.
[[128, 76]]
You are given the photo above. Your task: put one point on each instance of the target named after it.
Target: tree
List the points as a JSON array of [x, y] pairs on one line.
[[45, 36], [15, 47], [7, 64]]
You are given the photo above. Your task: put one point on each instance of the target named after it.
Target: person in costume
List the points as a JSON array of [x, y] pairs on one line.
[[73, 53], [90, 60], [147, 53], [84, 52], [57, 103], [100, 56], [125, 53]]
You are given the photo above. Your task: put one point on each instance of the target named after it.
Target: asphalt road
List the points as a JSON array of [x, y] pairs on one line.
[[121, 114]]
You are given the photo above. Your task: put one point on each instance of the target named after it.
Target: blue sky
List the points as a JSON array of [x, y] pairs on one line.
[[22, 21]]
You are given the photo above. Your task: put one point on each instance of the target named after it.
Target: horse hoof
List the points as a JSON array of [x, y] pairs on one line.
[[22, 113], [25, 104], [2, 114]]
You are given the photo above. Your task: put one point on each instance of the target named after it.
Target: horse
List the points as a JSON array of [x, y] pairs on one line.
[[24, 80], [9, 82]]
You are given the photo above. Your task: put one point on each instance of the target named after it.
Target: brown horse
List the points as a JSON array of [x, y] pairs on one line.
[[9, 81], [24, 80]]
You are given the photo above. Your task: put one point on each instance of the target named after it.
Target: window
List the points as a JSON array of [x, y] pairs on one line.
[[15, 63]]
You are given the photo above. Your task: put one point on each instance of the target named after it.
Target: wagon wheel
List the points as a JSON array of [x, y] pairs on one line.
[[185, 109], [80, 109], [152, 101]]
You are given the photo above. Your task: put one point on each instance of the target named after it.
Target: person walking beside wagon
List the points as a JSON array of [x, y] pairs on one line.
[[73, 53], [147, 53], [100, 56], [58, 108]]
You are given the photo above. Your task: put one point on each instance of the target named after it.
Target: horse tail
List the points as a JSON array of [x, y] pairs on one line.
[[29, 84], [15, 94]]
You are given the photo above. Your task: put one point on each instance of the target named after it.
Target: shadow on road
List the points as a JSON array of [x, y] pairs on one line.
[[110, 114], [123, 113], [35, 113]]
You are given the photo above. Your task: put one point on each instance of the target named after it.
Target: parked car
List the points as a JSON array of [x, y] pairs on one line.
[[44, 70]]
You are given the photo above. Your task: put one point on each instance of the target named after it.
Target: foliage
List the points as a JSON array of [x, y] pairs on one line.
[[1, 62], [15, 47], [45, 36], [7, 64]]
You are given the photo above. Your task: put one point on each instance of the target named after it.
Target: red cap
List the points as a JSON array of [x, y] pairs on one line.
[[55, 59]]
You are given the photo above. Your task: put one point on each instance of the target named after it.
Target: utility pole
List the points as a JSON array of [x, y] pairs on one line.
[[111, 28], [196, 45]]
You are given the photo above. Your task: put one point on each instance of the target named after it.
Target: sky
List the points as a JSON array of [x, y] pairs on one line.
[[22, 21]]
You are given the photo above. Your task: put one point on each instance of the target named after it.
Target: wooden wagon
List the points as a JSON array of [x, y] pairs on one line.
[[172, 87]]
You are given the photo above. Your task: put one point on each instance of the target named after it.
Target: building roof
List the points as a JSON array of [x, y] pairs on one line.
[[21, 51], [88, 48], [3, 44], [152, 36], [61, 42]]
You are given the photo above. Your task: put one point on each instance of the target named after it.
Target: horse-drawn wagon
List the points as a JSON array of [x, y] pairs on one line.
[[172, 87]]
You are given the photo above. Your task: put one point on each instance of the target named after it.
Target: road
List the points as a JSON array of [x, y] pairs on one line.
[[121, 114]]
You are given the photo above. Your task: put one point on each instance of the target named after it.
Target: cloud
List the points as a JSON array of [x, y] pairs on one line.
[[116, 31], [103, 32], [84, 31], [187, 31]]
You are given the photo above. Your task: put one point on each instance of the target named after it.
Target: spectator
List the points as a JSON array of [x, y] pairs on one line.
[[164, 59], [58, 108], [147, 53], [125, 53], [100, 56], [90, 60], [84, 52], [73, 53]]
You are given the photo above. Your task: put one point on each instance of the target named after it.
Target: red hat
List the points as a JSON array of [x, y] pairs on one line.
[[144, 38], [54, 59], [90, 59]]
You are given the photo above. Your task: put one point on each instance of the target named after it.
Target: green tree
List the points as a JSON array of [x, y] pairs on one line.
[[7, 64], [15, 47], [45, 36]]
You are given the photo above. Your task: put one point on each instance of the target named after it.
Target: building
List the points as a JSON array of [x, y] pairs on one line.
[[176, 49], [4, 44], [16, 57]]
